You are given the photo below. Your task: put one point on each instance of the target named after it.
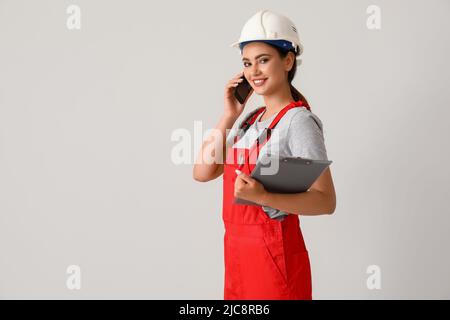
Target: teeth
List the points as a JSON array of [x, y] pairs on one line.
[[259, 81]]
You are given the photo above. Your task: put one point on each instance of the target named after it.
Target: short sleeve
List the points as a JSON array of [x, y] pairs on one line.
[[235, 130], [232, 133], [230, 137], [305, 137]]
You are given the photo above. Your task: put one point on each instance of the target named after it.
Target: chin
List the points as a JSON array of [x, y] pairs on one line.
[[262, 91]]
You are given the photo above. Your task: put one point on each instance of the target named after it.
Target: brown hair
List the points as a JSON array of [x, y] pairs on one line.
[[295, 93]]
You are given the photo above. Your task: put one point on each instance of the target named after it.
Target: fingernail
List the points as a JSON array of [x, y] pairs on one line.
[[238, 172]]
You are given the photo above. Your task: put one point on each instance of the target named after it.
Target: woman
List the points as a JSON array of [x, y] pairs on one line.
[[265, 254]]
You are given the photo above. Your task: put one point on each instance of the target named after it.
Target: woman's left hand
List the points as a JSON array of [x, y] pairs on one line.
[[247, 188]]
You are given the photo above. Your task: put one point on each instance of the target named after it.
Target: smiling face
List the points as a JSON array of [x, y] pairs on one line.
[[262, 61]]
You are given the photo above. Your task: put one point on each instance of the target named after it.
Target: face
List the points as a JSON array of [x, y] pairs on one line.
[[262, 61]]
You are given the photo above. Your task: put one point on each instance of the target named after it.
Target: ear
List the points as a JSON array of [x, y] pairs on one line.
[[289, 61]]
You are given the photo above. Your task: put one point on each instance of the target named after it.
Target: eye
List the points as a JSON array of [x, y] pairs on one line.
[[263, 59]]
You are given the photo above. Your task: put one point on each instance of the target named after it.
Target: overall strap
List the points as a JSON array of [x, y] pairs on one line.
[[283, 111], [265, 136], [249, 121]]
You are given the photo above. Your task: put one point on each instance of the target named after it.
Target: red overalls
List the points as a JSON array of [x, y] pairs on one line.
[[264, 258]]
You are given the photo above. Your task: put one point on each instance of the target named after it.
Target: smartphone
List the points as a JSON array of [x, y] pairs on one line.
[[242, 90]]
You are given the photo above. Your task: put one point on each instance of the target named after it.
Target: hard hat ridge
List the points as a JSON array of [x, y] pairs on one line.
[[270, 27]]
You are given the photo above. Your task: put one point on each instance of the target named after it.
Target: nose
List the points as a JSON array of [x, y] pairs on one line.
[[254, 72]]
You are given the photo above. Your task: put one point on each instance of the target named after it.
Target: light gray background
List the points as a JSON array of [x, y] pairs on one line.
[[86, 118]]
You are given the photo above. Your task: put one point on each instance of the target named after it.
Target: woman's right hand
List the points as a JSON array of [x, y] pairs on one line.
[[232, 107]]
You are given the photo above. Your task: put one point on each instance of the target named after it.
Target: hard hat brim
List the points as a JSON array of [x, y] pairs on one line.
[[236, 44]]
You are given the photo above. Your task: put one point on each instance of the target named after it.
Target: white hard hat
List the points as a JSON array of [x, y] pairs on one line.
[[271, 27]]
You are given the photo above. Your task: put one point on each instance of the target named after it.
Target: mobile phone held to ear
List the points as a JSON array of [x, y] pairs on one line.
[[242, 90]]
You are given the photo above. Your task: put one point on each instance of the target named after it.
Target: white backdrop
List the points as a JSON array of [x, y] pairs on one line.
[[87, 176]]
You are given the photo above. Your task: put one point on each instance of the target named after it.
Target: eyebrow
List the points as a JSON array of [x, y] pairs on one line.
[[259, 55]]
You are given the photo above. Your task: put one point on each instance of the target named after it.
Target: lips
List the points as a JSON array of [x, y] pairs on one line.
[[259, 82]]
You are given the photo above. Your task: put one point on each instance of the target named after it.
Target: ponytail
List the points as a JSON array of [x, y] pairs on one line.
[[295, 93]]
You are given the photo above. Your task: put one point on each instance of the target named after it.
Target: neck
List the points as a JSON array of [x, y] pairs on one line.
[[278, 100]]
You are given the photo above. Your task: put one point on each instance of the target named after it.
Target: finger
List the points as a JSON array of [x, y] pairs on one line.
[[232, 85], [245, 177], [239, 74], [239, 173], [239, 181], [238, 184], [234, 81]]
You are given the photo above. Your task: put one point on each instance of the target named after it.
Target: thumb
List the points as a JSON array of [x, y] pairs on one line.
[[244, 177]]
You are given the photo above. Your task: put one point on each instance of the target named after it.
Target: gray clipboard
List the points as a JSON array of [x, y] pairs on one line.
[[290, 175]]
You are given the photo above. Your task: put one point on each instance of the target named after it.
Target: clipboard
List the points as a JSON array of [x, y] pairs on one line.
[[290, 175]]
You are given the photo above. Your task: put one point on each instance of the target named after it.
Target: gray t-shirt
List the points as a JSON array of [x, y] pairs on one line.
[[299, 133]]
